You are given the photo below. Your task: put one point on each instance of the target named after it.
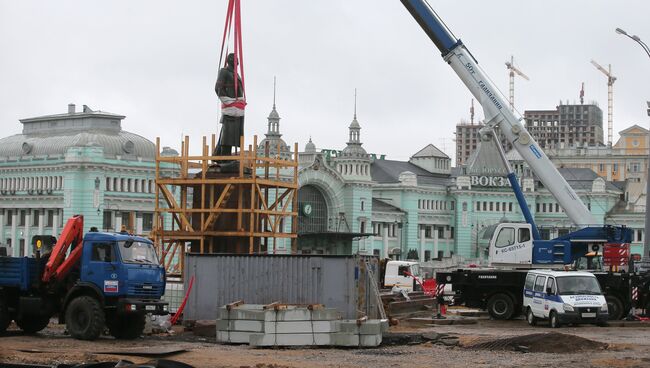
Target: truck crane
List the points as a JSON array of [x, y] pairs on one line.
[[91, 282], [518, 246]]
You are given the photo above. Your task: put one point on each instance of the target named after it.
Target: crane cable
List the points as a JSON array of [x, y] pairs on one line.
[[233, 24]]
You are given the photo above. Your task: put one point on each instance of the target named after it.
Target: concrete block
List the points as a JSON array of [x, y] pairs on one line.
[[204, 328], [370, 327], [344, 339], [241, 325], [370, 340], [234, 337], [266, 339], [291, 313], [384, 325]]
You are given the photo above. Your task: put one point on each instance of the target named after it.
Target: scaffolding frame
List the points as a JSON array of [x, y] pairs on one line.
[[268, 207]]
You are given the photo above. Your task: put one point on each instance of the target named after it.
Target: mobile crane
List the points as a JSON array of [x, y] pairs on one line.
[[518, 246], [106, 280]]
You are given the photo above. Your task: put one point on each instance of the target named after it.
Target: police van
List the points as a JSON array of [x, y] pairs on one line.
[[563, 297]]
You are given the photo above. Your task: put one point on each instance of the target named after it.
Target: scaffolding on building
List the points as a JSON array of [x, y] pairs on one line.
[[207, 211]]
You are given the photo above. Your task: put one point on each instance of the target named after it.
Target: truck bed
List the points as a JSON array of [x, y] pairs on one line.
[[18, 272]]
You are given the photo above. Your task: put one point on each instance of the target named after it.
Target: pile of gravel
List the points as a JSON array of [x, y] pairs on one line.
[[553, 342]]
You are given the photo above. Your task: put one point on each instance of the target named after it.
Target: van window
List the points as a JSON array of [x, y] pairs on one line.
[[550, 283], [539, 283], [524, 234], [506, 237], [530, 281]]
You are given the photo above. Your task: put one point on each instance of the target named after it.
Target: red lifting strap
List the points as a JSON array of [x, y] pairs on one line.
[[233, 20]]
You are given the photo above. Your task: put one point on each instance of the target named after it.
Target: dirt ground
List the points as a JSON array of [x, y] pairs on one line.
[[482, 345]]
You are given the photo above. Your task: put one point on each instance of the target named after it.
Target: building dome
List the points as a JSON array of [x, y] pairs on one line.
[[310, 147], [52, 136]]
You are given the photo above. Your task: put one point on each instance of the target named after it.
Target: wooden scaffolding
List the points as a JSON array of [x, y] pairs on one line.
[[214, 212]]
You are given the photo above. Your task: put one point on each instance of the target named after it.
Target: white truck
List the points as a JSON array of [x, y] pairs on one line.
[[564, 297], [401, 274]]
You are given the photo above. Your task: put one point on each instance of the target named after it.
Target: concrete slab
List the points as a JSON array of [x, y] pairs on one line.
[[370, 327], [259, 340], [290, 314], [234, 337]]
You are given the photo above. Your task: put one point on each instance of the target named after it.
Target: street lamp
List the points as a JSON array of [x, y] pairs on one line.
[[646, 240]]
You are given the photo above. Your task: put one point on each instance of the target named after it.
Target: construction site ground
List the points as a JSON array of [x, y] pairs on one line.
[[484, 344]]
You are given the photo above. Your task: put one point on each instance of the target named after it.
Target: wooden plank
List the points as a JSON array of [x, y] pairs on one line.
[[213, 213], [172, 203]]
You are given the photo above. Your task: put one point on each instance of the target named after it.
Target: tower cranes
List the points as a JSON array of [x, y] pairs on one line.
[[510, 65], [610, 98]]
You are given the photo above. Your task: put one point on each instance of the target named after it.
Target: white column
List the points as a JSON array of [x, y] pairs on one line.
[[422, 244], [435, 242], [2, 226], [138, 224], [384, 238], [15, 245], [28, 242], [118, 223], [55, 222], [41, 221]]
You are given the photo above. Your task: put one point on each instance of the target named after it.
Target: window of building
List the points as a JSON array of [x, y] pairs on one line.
[[601, 167], [639, 235], [362, 227], [478, 206], [557, 207], [510, 207], [9, 217], [21, 218], [543, 207], [36, 218], [491, 206], [451, 232], [362, 205], [427, 255], [452, 205], [441, 233], [427, 232], [376, 228], [484, 206], [615, 167], [498, 206]]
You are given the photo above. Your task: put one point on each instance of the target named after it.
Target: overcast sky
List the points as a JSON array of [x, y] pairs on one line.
[[156, 63]]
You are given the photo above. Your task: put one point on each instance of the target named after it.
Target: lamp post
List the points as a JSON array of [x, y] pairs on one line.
[[646, 234]]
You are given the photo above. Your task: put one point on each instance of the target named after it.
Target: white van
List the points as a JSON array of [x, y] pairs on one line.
[[564, 297]]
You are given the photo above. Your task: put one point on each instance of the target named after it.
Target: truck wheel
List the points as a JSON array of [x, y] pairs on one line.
[[555, 321], [5, 318], [84, 318], [127, 326], [530, 317], [31, 323], [614, 307], [500, 306]]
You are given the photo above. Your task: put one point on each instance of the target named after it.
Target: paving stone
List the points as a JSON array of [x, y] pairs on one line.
[[431, 336], [256, 312]]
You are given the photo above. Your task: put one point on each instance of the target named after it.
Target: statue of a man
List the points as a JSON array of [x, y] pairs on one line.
[[232, 108]]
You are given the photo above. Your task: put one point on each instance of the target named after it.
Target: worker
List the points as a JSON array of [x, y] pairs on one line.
[[232, 108]]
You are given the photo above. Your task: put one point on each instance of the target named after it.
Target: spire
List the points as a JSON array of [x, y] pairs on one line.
[[355, 104], [274, 117]]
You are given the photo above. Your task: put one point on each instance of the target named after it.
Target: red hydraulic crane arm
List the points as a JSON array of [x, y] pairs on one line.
[[58, 265]]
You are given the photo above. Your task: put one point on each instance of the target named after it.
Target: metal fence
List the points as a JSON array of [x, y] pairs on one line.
[[340, 282]]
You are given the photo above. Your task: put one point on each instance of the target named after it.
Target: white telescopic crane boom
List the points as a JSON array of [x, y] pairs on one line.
[[496, 112]]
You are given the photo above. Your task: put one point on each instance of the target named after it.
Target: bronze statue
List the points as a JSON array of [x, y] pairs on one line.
[[232, 108]]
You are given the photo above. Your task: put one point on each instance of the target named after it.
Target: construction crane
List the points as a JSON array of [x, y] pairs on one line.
[[610, 98], [510, 65]]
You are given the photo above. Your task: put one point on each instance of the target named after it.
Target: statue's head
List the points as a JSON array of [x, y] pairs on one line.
[[230, 60]]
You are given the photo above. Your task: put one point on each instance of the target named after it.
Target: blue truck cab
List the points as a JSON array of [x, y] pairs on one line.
[[125, 269], [115, 282]]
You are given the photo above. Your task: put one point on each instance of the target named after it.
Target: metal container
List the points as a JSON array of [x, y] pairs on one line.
[[340, 282]]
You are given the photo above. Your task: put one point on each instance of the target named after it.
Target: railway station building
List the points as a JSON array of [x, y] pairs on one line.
[[77, 162]]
